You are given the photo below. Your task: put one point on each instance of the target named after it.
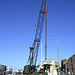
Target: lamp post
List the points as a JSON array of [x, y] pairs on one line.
[[57, 53]]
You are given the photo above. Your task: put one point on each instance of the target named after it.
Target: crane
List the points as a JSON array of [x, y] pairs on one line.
[[36, 43]]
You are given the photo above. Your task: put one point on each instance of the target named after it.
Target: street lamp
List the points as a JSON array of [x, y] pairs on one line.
[[58, 52]]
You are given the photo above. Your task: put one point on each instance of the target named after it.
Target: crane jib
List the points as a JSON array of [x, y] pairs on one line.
[[35, 47]]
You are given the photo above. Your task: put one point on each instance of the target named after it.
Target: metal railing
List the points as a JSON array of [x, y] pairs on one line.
[[68, 73]]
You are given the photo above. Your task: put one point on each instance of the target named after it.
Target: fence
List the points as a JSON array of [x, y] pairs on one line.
[[69, 73]]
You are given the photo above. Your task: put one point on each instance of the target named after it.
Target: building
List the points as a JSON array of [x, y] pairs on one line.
[[64, 65], [7, 69], [68, 65], [71, 64], [2, 69]]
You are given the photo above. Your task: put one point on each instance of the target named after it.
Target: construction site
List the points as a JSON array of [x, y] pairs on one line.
[[46, 66]]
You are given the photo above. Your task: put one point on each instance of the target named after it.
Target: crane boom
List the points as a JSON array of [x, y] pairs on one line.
[[35, 46]]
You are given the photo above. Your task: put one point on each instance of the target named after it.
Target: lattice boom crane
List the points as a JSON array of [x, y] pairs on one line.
[[35, 46]]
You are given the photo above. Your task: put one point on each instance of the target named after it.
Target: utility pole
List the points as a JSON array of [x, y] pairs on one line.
[[58, 55]]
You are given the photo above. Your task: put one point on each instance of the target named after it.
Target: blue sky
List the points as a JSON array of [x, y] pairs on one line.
[[17, 21]]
